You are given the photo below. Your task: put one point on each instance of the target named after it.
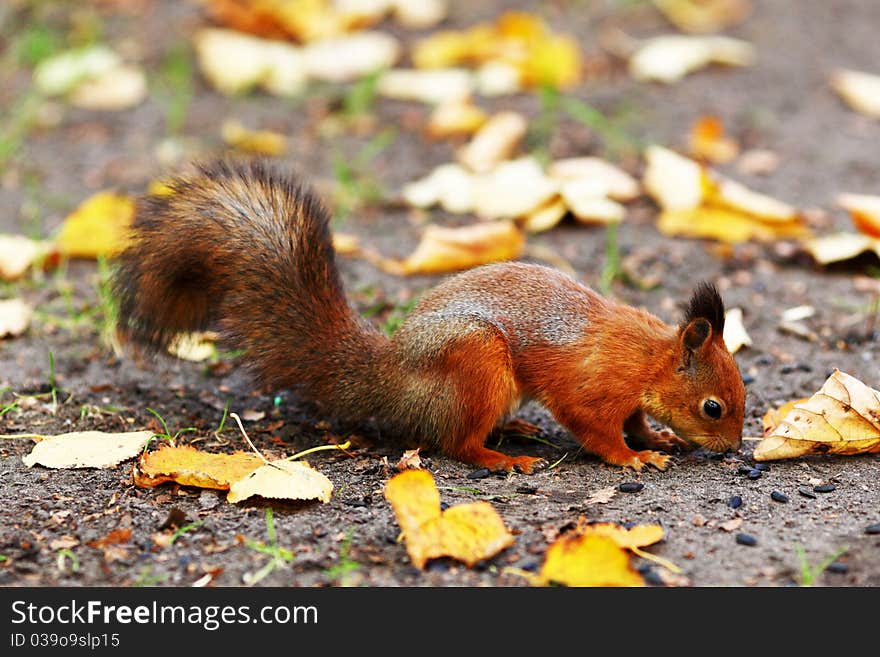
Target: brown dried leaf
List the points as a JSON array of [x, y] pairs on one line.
[[188, 466], [842, 418]]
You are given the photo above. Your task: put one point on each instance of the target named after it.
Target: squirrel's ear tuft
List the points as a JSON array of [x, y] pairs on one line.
[[705, 304]]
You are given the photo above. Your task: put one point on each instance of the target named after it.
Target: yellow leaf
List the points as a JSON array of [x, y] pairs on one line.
[[188, 466], [97, 227], [494, 142], [15, 317], [840, 246], [735, 336], [442, 49], [725, 225], [87, 449], [513, 189], [860, 90], [616, 182], [590, 559], [774, 416], [864, 211], [456, 117], [669, 58], [554, 62], [467, 532], [674, 181], [544, 217], [445, 249], [842, 418], [707, 141], [263, 142], [117, 89], [704, 16], [287, 480], [634, 537], [345, 243], [17, 254], [194, 347]]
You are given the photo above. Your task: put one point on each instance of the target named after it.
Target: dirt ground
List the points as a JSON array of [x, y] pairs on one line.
[[783, 103]]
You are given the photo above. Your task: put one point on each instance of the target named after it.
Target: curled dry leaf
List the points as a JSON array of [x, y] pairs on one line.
[[842, 418], [420, 14], [544, 217], [15, 317], [707, 141], [602, 496], [697, 202], [494, 142], [263, 142], [467, 532], [443, 249], [97, 227], [450, 185], [704, 16], [17, 254], [432, 87], [87, 449], [774, 416], [285, 480], [735, 335], [586, 198], [840, 246], [346, 243], [119, 88], [410, 460], [190, 467], [860, 90], [669, 58]]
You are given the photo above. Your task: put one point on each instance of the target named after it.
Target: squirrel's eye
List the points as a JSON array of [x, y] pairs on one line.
[[712, 409]]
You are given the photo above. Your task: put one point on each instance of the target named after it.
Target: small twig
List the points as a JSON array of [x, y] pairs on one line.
[[344, 446], [32, 436], [237, 419]]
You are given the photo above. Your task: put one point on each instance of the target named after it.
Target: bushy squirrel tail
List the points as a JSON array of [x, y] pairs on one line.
[[241, 247]]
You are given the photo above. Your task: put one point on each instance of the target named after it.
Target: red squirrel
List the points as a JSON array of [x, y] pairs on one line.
[[245, 248]]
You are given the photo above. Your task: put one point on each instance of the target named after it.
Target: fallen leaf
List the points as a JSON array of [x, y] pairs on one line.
[[420, 14], [704, 16], [860, 90], [513, 189], [87, 449], [602, 496], [591, 559], [443, 249], [263, 142], [757, 162], [494, 142], [252, 415], [115, 537], [467, 532], [587, 202], [17, 254], [497, 78], [458, 116], [843, 417], [345, 243], [97, 227], [286, 480], [409, 460], [62, 73], [544, 217], [347, 58], [774, 416], [840, 246], [450, 185], [63, 543], [616, 182], [117, 89], [707, 141], [195, 347], [190, 467], [634, 537], [731, 525], [235, 63], [735, 335], [697, 202], [15, 317], [669, 58], [428, 86], [864, 210]]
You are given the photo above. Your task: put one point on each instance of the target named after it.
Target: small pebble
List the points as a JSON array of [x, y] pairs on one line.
[[482, 473], [651, 576], [873, 529], [838, 567], [527, 489], [630, 487], [824, 488], [444, 506], [779, 497], [763, 467], [735, 502], [746, 539], [806, 492], [754, 474], [747, 379]]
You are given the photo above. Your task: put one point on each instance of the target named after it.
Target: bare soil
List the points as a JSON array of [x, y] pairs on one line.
[[783, 103]]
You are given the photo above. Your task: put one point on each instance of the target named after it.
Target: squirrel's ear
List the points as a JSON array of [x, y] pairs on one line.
[[695, 334], [703, 317]]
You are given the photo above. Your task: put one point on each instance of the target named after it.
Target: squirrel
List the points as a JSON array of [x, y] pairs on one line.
[[245, 248]]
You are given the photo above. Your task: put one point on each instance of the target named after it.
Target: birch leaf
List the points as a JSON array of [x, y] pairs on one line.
[[87, 449], [287, 480]]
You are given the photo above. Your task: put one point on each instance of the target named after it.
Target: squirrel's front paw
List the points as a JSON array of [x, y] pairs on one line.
[[667, 441], [638, 460]]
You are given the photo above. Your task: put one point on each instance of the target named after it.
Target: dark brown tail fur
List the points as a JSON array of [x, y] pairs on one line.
[[248, 250]]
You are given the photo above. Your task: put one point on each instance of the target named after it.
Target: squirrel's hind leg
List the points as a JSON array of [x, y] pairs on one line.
[[479, 374]]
